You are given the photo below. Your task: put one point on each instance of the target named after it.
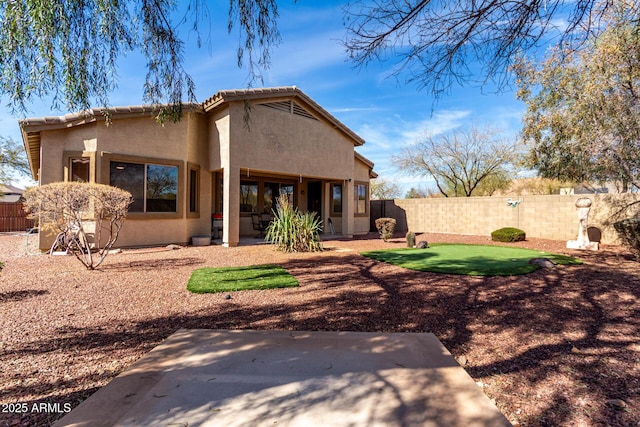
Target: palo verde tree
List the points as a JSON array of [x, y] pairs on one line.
[[87, 217], [69, 50], [583, 108], [436, 44], [461, 162]]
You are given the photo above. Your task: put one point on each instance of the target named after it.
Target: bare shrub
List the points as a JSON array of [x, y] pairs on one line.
[[87, 217], [386, 227]]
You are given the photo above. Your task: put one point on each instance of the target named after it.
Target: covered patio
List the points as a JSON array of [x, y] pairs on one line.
[[257, 193]]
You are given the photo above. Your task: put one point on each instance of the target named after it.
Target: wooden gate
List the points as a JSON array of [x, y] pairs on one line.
[[13, 218]]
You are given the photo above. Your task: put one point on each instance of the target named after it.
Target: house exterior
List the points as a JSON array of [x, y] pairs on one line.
[[227, 158]]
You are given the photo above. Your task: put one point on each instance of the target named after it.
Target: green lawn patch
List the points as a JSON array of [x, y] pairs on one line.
[[472, 260], [211, 280]]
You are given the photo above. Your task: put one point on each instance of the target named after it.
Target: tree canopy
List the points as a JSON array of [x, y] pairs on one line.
[[12, 160], [463, 163], [583, 108], [384, 189], [68, 50]]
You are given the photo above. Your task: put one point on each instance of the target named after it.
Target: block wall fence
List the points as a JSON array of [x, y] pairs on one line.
[[548, 216]]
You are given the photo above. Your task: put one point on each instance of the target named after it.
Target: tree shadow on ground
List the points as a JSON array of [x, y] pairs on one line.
[[518, 332], [13, 296], [147, 265]]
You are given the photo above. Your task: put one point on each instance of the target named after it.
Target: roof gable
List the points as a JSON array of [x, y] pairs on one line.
[[300, 104]]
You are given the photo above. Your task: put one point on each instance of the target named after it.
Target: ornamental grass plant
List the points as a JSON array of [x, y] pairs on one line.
[[294, 231]]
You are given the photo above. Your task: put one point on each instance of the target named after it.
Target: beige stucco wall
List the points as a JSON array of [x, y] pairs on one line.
[[219, 125], [289, 144], [142, 139], [56, 142], [550, 217]]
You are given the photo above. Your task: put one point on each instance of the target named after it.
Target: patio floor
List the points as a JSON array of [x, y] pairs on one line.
[[201, 377], [252, 240]]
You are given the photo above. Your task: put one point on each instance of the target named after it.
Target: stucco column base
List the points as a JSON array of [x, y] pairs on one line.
[[577, 244], [230, 244]]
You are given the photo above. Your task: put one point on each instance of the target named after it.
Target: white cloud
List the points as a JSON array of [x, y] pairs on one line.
[[440, 123]]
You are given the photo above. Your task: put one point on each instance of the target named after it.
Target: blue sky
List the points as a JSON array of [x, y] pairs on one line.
[[387, 113]]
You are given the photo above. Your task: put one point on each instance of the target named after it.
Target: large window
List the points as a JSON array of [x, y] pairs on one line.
[[154, 187], [272, 190], [360, 195], [248, 196], [261, 195]]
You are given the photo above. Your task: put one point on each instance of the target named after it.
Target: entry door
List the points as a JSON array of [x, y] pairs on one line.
[[314, 200]]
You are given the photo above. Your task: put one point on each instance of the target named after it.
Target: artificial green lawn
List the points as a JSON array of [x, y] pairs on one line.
[[473, 260], [211, 280]]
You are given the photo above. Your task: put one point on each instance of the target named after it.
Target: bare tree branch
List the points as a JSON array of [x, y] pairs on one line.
[[435, 44], [460, 162]]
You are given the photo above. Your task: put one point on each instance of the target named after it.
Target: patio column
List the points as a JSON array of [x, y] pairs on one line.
[[231, 207], [347, 208]]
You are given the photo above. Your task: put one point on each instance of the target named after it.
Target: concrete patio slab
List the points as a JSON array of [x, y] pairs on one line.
[[291, 378]]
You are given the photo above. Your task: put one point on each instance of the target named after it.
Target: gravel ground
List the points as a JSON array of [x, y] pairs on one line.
[[556, 347]]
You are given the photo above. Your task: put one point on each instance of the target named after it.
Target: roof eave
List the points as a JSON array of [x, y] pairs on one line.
[[31, 127]]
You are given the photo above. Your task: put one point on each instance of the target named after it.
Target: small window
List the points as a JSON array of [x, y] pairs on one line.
[[360, 194], [194, 191], [80, 169], [336, 199], [248, 196]]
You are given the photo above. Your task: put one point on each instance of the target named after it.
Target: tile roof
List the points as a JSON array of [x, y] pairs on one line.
[[31, 127]]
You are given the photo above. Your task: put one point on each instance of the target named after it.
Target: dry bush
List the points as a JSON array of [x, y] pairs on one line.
[[87, 217], [386, 227]]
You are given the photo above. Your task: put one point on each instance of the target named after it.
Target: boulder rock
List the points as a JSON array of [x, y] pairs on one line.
[[543, 262]]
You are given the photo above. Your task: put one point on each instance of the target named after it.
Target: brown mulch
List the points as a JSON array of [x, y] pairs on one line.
[[557, 347]]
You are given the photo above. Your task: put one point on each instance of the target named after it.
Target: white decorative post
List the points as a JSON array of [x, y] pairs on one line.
[[583, 205]]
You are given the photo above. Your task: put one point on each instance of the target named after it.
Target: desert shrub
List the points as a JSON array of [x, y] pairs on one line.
[[385, 227], [508, 234], [411, 239], [294, 231], [629, 232], [87, 217]]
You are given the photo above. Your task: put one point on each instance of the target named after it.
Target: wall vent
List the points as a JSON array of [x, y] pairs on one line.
[[290, 107]]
